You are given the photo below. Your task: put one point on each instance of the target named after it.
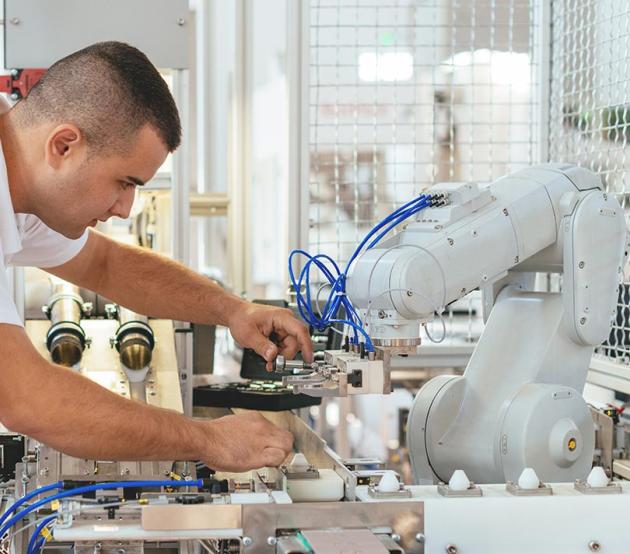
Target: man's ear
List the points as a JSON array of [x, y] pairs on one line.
[[64, 141]]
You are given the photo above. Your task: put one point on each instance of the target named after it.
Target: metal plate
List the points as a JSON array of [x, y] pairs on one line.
[[202, 516], [403, 518], [39, 33], [345, 541]]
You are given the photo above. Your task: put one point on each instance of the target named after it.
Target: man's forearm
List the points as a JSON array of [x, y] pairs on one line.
[[76, 416], [159, 287]]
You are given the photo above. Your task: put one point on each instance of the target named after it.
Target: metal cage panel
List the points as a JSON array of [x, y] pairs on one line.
[[589, 111], [405, 94]]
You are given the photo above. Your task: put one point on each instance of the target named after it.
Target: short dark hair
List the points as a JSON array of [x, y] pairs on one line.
[[109, 90]]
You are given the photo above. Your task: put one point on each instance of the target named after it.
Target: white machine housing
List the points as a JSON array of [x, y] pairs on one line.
[[519, 402]]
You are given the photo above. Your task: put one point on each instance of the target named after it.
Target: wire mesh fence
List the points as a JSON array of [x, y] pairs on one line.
[[405, 94], [589, 111]]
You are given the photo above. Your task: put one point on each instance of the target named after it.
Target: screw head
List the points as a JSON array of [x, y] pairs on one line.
[[395, 537], [381, 314], [582, 320], [420, 537], [594, 546], [14, 21], [181, 22], [247, 541], [271, 541], [451, 549], [581, 265]]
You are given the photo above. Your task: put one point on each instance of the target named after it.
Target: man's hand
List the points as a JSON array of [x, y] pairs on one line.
[[252, 324], [246, 441]]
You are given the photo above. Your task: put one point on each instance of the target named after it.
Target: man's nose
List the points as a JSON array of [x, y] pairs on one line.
[[122, 207]]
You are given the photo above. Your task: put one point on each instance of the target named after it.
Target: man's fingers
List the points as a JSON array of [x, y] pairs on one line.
[[264, 347], [298, 330], [273, 457], [289, 347], [282, 439]]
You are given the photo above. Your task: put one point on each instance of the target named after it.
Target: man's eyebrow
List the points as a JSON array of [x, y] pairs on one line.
[[136, 181]]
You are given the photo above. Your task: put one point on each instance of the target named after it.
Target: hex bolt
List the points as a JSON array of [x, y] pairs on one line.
[[420, 538], [247, 541], [271, 541], [594, 546], [451, 549]]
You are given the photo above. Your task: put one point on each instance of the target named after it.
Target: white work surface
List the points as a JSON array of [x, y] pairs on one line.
[[499, 522]]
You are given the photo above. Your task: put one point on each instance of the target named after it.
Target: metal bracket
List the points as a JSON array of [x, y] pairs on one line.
[[402, 492], [585, 488], [542, 490], [472, 490]]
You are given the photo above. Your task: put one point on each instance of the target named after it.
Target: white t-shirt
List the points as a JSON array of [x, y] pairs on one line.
[[26, 241]]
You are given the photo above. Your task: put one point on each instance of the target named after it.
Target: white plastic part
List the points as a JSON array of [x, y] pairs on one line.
[[328, 488], [597, 477], [388, 483], [459, 481], [299, 460], [528, 480]]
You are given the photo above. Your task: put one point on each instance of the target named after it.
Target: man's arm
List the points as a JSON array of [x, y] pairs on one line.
[[74, 415], [156, 286]]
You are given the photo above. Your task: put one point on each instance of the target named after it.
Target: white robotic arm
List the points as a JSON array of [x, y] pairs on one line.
[[519, 401], [547, 218]]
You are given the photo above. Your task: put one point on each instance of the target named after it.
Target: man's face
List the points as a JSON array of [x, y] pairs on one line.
[[98, 187]]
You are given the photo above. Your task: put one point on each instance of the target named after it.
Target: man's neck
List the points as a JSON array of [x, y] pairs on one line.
[[16, 163]]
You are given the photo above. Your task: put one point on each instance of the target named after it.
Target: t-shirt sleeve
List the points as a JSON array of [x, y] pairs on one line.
[[8, 311], [43, 247]]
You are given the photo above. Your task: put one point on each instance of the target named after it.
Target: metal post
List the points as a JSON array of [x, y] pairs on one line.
[[181, 174], [542, 29], [180, 231], [240, 150], [298, 55]]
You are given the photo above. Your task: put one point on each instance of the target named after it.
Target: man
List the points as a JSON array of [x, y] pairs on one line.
[[97, 126]]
